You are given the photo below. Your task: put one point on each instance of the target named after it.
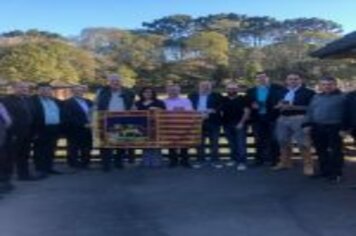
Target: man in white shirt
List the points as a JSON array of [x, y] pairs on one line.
[[114, 97], [176, 103], [208, 104], [48, 120]]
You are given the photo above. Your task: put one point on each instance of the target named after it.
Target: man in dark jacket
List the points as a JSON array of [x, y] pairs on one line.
[[208, 103], [48, 120], [324, 119], [292, 106], [264, 97], [350, 113], [5, 161], [77, 118], [20, 109], [113, 98]]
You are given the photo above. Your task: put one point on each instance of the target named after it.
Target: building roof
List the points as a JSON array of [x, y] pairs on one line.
[[341, 48]]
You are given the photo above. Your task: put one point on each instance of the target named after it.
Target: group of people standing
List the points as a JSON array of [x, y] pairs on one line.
[[30, 126]]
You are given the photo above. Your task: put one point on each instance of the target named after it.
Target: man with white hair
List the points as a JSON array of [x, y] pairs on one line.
[[113, 98], [208, 104], [174, 102]]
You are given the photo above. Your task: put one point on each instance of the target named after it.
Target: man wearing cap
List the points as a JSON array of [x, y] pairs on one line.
[[113, 98]]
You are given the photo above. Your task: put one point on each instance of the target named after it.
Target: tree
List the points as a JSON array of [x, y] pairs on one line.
[[174, 27], [45, 61], [209, 46]]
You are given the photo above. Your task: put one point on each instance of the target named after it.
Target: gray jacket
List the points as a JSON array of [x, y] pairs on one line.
[[326, 109]]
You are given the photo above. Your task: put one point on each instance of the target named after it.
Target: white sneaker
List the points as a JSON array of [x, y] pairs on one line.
[[197, 166], [230, 163], [241, 167], [217, 165]]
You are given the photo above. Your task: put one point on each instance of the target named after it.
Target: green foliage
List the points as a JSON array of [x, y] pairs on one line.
[[175, 48], [210, 46], [44, 61], [129, 76]]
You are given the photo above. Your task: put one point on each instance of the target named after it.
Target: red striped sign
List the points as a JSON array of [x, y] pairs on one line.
[[160, 129]]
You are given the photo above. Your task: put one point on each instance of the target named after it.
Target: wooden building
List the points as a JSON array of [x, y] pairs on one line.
[[342, 48]]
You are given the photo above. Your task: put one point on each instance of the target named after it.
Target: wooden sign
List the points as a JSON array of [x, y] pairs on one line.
[[147, 129]]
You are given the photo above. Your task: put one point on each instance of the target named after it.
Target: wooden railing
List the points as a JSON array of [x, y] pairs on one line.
[[224, 151]]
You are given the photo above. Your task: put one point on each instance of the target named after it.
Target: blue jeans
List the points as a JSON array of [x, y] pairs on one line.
[[152, 157], [237, 143]]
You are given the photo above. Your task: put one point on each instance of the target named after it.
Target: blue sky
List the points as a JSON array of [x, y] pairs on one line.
[[69, 17]]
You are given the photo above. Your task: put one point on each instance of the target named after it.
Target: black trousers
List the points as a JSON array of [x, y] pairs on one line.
[[267, 148], [175, 154], [328, 145], [19, 146], [45, 144], [108, 155], [212, 132], [79, 146], [5, 163]]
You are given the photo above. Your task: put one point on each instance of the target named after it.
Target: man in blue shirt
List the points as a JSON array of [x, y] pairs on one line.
[[263, 99], [48, 120], [77, 118]]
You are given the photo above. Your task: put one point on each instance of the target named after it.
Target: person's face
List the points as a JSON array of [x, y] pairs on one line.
[[148, 94], [22, 89], [115, 83], [173, 91], [262, 79], [45, 91], [293, 81], [327, 86], [204, 87], [78, 91], [232, 90]]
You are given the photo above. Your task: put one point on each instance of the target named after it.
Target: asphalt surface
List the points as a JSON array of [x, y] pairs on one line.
[[180, 202]]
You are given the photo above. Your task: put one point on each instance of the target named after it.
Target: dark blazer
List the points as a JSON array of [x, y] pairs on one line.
[[155, 104], [303, 97], [273, 98], [215, 101], [73, 114], [21, 112], [350, 111], [104, 96], [38, 112]]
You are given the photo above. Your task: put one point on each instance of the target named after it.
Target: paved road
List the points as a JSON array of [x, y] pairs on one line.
[[180, 202]]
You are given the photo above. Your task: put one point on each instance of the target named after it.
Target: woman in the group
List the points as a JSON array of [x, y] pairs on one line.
[[149, 101]]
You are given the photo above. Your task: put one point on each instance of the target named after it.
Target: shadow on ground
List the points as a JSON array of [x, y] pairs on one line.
[[180, 202]]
